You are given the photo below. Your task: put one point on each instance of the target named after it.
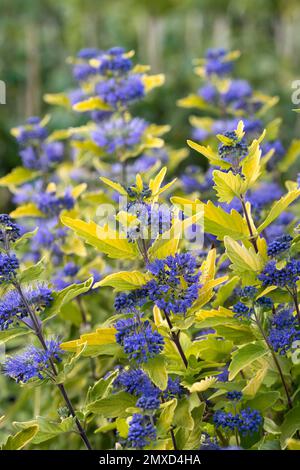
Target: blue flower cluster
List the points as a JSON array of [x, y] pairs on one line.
[[51, 205], [33, 362], [139, 340], [234, 395], [284, 331], [217, 62], [287, 276], [247, 422], [12, 308], [126, 303], [36, 152], [8, 266], [120, 135], [151, 220], [8, 229], [141, 431], [235, 152], [176, 283], [241, 310], [279, 245]]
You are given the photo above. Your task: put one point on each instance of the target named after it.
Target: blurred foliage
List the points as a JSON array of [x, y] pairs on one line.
[[37, 37]]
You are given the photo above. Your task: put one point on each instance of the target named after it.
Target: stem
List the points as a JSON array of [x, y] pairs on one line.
[[39, 334], [176, 341], [252, 237], [171, 431], [289, 400], [82, 311], [295, 299]]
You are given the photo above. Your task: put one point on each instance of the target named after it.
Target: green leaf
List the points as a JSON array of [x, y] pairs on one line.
[[66, 295], [166, 418], [32, 273], [113, 406], [244, 356], [49, 429], [183, 416], [278, 207], [290, 425], [210, 349], [124, 280], [21, 439], [246, 263], [7, 335], [219, 223], [100, 388], [228, 185], [18, 176], [156, 369], [290, 157], [105, 239]]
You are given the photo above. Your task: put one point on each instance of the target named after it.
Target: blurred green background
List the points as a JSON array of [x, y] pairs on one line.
[[37, 36]]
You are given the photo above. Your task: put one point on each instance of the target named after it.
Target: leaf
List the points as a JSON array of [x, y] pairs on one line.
[[32, 273], [228, 186], [152, 81], [183, 416], [7, 335], [254, 383], [210, 349], [225, 291], [293, 444], [290, 157], [21, 439], [100, 388], [264, 401], [278, 207], [166, 417], [47, 429], [27, 210], [245, 261], [18, 176], [91, 104], [156, 369], [251, 168], [104, 239], [101, 336], [167, 243], [124, 280], [219, 223], [244, 356], [290, 425], [203, 385], [114, 406], [213, 158], [115, 186], [58, 99], [66, 295]]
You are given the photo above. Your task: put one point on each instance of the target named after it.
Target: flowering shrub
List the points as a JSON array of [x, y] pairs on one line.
[[197, 346]]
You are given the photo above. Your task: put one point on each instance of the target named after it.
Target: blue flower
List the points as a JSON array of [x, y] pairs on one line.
[[249, 421], [141, 431], [248, 292], [234, 395], [241, 310], [279, 245], [176, 283], [121, 92], [148, 402], [287, 276], [127, 303], [8, 229], [135, 381], [174, 389], [217, 63], [225, 420], [138, 339], [283, 332], [31, 132], [238, 89], [12, 307], [120, 134], [8, 267], [51, 204], [233, 153], [265, 302], [151, 220], [33, 362]]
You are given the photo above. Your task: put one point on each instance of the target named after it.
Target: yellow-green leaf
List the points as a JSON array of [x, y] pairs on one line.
[[124, 280]]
